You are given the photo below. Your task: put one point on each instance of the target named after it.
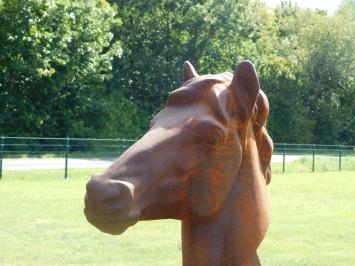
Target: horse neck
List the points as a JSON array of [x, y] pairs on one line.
[[232, 235]]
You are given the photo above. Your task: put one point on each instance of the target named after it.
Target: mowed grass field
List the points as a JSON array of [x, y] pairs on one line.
[[42, 223]]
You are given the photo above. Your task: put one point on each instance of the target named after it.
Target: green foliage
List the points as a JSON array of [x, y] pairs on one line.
[[347, 9], [305, 61], [279, 72], [92, 68], [124, 119], [319, 49], [329, 71], [160, 35], [55, 57]]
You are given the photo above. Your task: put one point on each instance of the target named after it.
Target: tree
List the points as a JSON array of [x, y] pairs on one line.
[[55, 58], [57, 75], [311, 84], [280, 74], [329, 70], [158, 36]]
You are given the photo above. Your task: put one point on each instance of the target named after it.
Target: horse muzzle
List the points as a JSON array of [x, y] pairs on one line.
[[108, 205]]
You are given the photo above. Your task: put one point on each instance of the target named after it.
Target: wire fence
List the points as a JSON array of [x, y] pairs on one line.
[[290, 157], [315, 157], [31, 147]]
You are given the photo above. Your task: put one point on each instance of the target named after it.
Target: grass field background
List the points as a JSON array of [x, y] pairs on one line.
[[42, 223]]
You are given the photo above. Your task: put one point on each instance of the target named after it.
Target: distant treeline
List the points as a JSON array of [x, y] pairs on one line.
[[104, 68]]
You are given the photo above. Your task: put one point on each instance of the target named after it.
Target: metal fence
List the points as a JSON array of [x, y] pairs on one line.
[[31, 147], [336, 153]]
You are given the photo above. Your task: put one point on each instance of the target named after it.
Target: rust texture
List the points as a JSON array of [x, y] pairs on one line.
[[205, 160]]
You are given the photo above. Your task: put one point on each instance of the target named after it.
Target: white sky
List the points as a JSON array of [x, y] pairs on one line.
[[329, 5]]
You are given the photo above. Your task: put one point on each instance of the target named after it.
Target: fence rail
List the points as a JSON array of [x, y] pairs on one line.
[[18, 147], [313, 150]]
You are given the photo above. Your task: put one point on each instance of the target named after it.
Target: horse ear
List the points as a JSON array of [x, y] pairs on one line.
[[245, 88], [189, 71]]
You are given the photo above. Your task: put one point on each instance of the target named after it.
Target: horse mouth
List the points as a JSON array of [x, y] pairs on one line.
[[117, 228], [114, 223]]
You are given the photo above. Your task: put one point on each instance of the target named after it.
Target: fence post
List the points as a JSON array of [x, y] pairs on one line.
[[283, 158], [339, 158], [1, 154], [66, 157], [313, 155]]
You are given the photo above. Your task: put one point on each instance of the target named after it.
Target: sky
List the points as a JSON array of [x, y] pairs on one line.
[[329, 5]]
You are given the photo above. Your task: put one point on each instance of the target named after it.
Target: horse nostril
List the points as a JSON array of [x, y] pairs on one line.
[[109, 191], [124, 196]]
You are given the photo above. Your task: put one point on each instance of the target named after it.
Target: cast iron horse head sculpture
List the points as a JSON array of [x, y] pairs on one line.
[[206, 161]]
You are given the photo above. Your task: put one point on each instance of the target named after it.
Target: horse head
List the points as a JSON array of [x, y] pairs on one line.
[[184, 167]]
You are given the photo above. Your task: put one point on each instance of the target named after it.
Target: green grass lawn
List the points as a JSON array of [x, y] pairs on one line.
[[42, 223]]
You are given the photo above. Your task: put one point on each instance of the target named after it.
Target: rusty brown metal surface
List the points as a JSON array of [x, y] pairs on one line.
[[206, 161]]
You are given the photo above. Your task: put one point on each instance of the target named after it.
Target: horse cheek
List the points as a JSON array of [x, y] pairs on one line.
[[211, 186], [222, 176]]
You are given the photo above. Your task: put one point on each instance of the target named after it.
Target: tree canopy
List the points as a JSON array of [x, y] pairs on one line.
[[55, 60], [103, 68]]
